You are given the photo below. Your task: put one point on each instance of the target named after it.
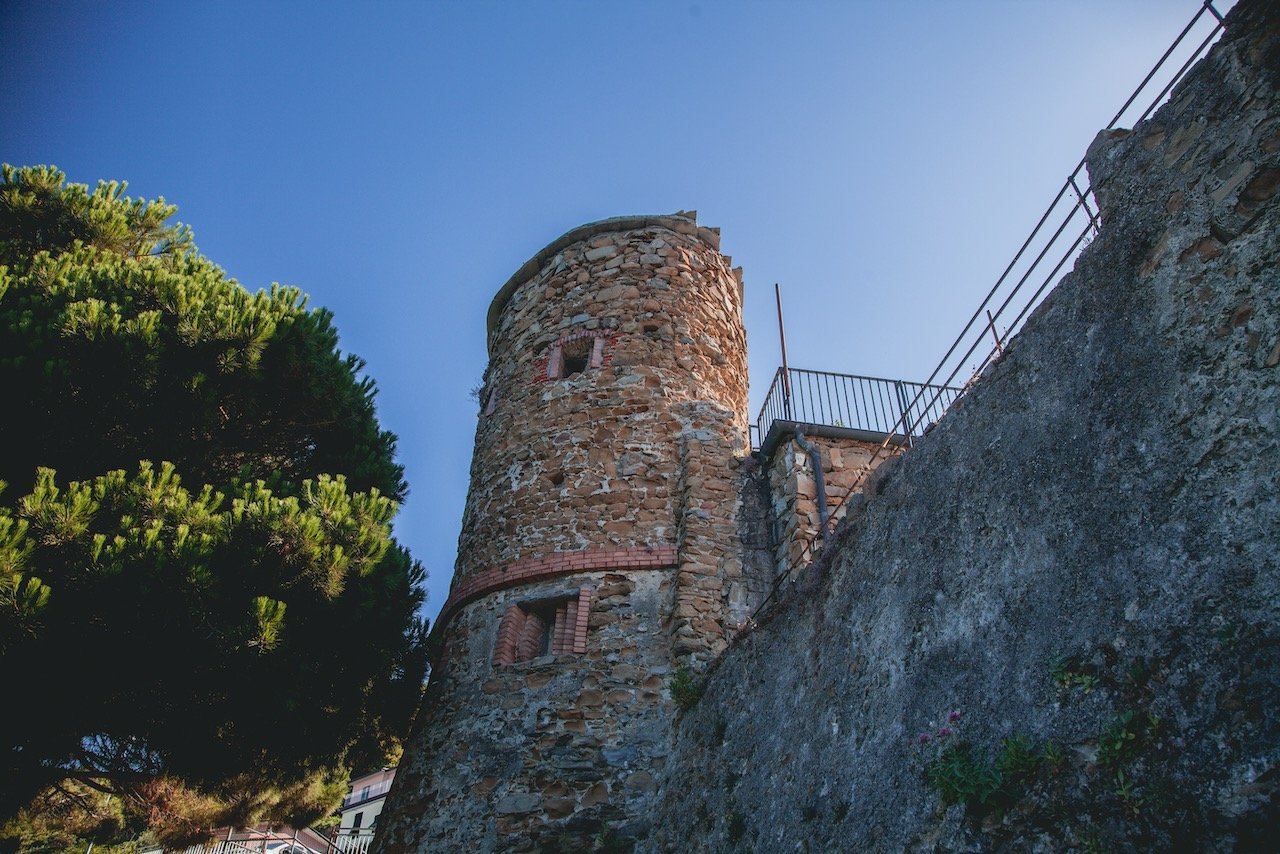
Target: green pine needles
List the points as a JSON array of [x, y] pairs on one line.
[[200, 592]]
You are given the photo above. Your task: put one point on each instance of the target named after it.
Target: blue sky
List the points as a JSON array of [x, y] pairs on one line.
[[399, 161]]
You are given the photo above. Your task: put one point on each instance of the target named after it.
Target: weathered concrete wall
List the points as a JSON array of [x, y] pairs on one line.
[[1080, 563]]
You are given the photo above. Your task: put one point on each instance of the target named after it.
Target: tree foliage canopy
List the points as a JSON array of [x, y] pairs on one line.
[[202, 608]]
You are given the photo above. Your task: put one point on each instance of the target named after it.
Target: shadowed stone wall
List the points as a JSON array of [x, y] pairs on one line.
[[1055, 623]]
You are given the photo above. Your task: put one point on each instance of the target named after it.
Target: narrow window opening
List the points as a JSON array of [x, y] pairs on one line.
[[576, 355], [543, 627]]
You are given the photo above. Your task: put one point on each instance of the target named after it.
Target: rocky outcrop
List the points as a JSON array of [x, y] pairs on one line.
[[1056, 624]]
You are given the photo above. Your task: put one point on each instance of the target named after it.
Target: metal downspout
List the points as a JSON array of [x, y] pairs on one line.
[[820, 479]]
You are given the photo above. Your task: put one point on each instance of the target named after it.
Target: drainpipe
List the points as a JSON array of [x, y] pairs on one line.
[[815, 457]]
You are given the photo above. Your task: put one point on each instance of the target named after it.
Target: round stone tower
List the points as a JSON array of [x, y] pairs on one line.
[[599, 549]]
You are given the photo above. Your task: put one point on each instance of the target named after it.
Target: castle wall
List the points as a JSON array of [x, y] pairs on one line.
[[1053, 624], [1080, 559], [594, 460], [513, 758], [599, 548], [794, 490]]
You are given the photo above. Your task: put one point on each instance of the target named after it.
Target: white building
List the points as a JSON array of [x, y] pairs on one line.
[[360, 810]]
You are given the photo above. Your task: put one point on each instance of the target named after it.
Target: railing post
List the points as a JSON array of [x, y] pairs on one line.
[[782, 339], [1084, 203], [785, 373], [906, 417]]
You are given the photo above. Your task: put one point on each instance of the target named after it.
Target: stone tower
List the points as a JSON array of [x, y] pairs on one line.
[[599, 548]]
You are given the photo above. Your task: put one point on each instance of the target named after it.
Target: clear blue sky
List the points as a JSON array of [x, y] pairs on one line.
[[399, 161]]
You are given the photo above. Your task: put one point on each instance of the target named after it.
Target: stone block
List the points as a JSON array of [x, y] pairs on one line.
[[520, 802], [642, 781], [606, 251], [597, 794]]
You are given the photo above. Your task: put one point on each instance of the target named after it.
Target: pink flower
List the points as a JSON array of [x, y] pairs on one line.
[[953, 717], [944, 732], [923, 738]]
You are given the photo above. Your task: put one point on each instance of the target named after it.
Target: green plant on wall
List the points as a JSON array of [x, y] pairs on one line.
[[1124, 736], [1017, 760], [607, 841], [1068, 673], [959, 777], [685, 689], [1110, 789], [1126, 791], [1054, 755]]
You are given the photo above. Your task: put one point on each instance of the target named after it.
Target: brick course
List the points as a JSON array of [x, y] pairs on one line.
[[552, 566]]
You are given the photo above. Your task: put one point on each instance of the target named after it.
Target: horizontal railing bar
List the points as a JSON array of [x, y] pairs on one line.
[[1156, 67], [864, 402]]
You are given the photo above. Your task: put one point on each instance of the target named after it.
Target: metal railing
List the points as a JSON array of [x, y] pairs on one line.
[[357, 841], [366, 793], [351, 841], [869, 404], [1072, 219], [250, 842], [1066, 227]]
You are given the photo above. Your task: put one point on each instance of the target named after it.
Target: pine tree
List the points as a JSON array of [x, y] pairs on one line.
[[202, 608]]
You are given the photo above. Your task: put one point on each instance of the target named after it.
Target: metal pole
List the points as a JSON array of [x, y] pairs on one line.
[[782, 337], [991, 322], [906, 414], [1093, 221]]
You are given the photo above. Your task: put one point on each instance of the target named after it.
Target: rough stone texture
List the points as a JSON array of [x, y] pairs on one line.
[[520, 757], [592, 460], [609, 472], [756, 531], [795, 495], [1083, 553]]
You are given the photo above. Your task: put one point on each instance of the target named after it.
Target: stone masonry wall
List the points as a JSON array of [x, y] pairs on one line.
[[795, 495], [1053, 624], [592, 460], [549, 751], [599, 546], [712, 592]]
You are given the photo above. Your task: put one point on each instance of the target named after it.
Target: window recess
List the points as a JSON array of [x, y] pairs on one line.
[[554, 626]]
